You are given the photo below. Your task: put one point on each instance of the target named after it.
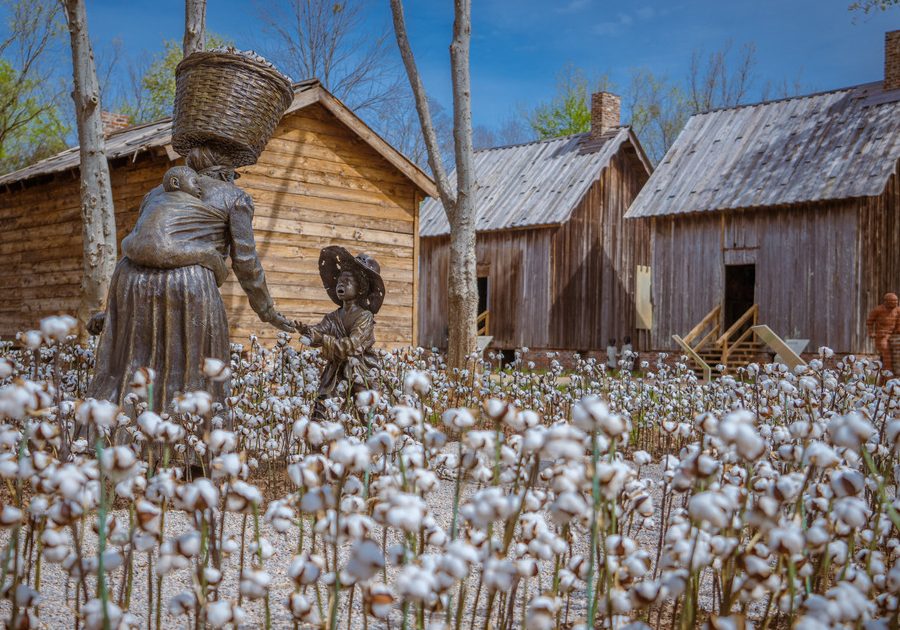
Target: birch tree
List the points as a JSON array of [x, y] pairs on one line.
[[459, 203], [194, 26], [97, 212]]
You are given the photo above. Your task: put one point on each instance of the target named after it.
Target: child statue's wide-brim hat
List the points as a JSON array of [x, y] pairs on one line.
[[334, 260]]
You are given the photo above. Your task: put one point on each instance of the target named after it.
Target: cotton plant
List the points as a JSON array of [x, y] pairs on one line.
[[488, 496]]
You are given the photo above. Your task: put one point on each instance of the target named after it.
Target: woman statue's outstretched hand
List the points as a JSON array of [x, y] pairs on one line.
[[278, 320]]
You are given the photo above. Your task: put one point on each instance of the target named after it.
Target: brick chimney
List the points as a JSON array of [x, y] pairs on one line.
[[605, 115], [113, 122], [892, 60]]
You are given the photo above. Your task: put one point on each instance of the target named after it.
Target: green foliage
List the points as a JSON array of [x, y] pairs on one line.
[[32, 125], [569, 112], [868, 6], [154, 90]]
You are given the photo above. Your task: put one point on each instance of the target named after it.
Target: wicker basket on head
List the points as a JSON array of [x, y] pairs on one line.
[[228, 101]]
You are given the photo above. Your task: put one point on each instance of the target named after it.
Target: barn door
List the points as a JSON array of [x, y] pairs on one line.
[[740, 291]]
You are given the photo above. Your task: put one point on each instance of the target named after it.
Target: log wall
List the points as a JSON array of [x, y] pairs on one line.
[[316, 184]]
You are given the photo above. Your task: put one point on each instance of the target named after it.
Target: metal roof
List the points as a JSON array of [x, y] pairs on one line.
[[827, 146], [538, 183]]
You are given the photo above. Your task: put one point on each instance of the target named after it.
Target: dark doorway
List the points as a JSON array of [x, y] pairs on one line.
[[482, 294], [740, 289]]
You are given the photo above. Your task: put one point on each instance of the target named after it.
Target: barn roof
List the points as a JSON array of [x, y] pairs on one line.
[[133, 140], [533, 184], [833, 145]]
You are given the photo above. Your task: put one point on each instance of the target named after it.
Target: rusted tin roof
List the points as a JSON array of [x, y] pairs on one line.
[[827, 146], [538, 183]]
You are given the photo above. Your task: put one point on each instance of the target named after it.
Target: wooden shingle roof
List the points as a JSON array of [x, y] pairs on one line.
[[133, 140], [833, 145], [533, 184]]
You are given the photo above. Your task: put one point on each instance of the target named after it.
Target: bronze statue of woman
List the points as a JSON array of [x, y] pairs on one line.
[[171, 319]]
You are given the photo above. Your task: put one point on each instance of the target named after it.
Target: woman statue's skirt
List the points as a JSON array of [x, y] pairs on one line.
[[168, 320]]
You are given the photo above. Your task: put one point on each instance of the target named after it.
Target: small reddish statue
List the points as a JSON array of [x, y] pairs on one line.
[[881, 323]]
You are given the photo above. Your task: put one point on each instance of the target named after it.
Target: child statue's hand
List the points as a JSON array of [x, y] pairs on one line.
[[305, 332]]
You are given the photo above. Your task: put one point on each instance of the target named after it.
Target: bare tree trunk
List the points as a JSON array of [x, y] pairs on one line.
[[460, 204], [97, 212], [463, 281], [194, 26]]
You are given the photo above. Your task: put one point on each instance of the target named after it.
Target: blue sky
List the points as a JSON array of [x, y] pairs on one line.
[[519, 46]]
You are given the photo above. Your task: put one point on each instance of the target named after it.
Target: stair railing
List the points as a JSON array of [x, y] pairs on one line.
[[700, 335], [751, 316], [711, 321], [483, 323]]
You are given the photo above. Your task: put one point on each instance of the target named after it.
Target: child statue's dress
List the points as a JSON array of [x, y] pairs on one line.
[[347, 341]]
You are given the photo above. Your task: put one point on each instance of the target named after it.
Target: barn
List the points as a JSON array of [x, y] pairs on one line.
[[557, 265], [782, 213], [325, 178]]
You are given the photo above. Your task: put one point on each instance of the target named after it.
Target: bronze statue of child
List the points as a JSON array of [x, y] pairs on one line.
[[347, 335], [175, 228]]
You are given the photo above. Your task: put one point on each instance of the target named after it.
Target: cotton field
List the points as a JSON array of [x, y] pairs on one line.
[[481, 498]]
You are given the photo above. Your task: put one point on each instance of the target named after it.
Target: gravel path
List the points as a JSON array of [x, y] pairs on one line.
[[57, 611]]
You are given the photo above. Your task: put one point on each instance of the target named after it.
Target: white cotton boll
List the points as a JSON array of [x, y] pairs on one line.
[[567, 506], [254, 584], [31, 339], [416, 383], [199, 403], [182, 604], [499, 574], [541, 612], [303, 609], [149, 423], [216, 370], [534, 439], [820, 455], [306, 568], [850, 431], [222, 612], [458, 419], [365, 560], [264, 548], [405, 417], [222, 441], [852, 511], [592, 414], [379, 600], [641, 458], [787, 539], [7, 368], [353, 456], [415, 583], [99, 413], [710, 507], [58, 327]]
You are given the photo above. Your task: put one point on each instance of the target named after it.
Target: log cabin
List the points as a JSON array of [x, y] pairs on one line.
[[325, 178], [783, 213], [557, 266]]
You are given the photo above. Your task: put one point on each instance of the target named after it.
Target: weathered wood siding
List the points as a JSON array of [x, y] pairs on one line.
[[516, 263], [807, 272], [594, 262], [879, 252], [316, 184], [568, 287]]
